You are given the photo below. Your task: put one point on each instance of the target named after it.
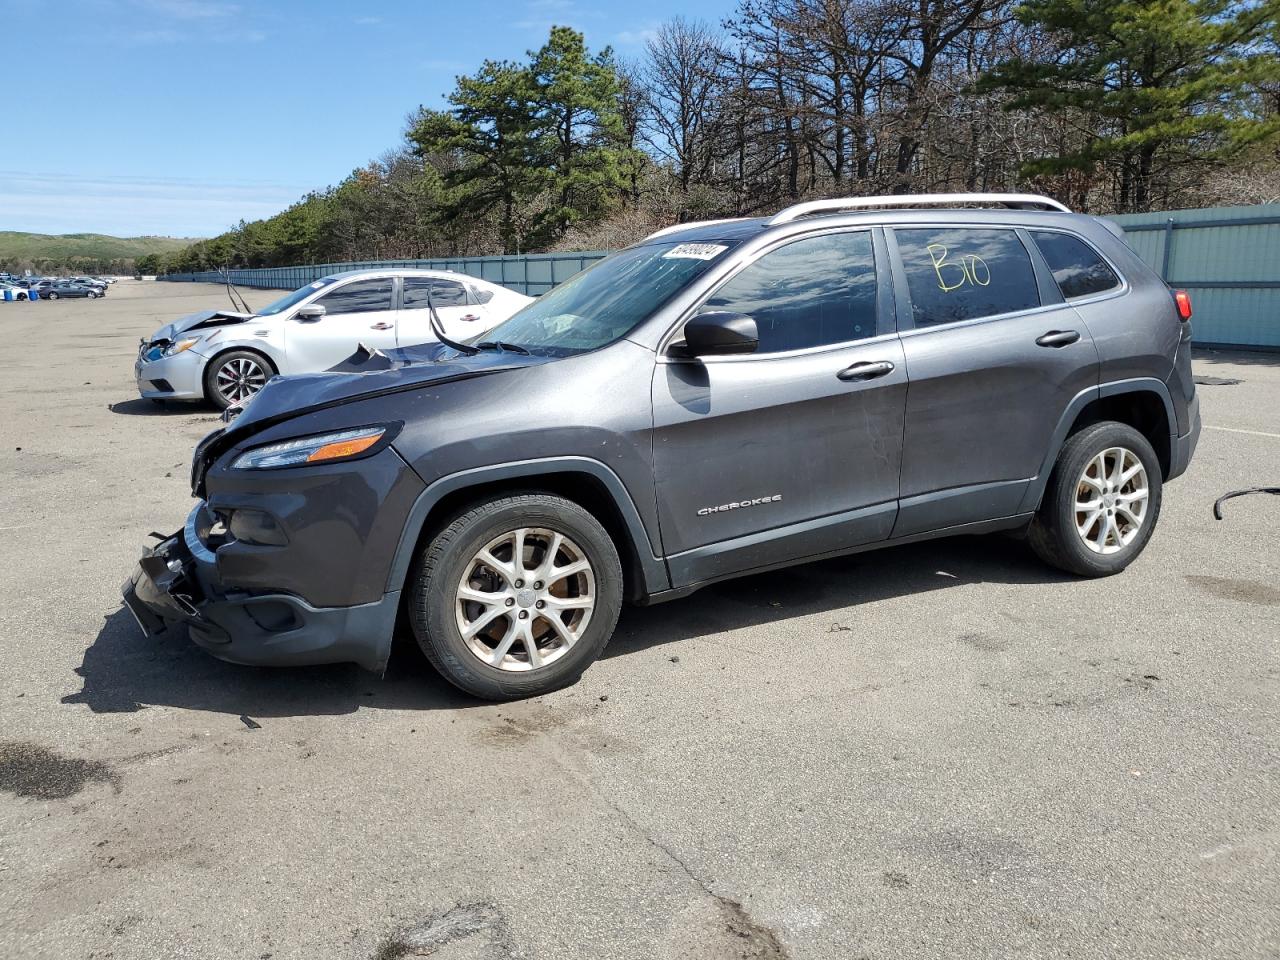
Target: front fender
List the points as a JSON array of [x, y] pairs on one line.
[[651, 568]]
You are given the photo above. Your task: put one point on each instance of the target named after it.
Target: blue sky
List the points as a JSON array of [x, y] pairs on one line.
[[180, 117]]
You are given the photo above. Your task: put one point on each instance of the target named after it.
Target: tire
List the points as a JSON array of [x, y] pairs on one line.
[[1085, 473], [21, 297], [438, 614], [222, 394], [92, 295], [51, 296]]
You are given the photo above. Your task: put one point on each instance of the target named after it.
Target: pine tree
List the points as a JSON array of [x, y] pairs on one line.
[[1156, 84]]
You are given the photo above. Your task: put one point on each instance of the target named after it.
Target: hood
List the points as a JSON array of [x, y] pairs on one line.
[[201, 319], [368, 373]]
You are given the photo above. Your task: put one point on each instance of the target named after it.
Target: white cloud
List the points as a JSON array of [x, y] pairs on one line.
[[637, 37]]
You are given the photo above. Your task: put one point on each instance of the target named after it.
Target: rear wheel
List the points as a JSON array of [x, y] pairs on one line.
[[235, 376], [51, 295], [1101, 504], [516, 596], [93, 295]]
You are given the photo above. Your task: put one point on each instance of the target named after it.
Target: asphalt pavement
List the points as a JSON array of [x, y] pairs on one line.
[[944, 750]]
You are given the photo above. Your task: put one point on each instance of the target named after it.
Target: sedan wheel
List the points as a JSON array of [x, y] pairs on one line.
[[239, 378], [51, 295]]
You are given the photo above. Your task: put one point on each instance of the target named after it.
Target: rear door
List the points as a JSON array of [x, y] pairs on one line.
[[994, 357], [461, 317], [792, 451], [356, 312]]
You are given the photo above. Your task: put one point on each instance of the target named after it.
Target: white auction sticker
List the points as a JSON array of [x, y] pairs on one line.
[[696, 251]]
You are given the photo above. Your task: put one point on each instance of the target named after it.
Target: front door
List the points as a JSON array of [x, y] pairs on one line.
[[356, 312], [460, 318], [792, 451], [995, 358]]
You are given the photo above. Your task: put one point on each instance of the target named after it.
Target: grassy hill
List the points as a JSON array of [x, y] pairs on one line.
[[17, 247]]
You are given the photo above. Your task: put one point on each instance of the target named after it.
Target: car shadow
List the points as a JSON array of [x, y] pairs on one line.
[[1246, 358], [139, 407], [123, 671]]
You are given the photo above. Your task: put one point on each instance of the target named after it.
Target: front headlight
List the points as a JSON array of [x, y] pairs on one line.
[[324, 448], [178, 346]]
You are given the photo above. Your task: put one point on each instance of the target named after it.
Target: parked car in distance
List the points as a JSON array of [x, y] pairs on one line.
[[718, 400], [225, 357], [11, 291], [58, 289], [101, 285]]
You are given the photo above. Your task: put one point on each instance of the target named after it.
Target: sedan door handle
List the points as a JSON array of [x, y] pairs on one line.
[[865, 371], [380, 326], [1058, 338]]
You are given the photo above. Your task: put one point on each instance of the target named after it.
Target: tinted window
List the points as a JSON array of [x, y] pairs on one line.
[[965, 274], [807, 294], [444, 293], [358, 296], [1076, 266]]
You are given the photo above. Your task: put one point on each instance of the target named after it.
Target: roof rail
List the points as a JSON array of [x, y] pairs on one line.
[[1024, 201], [692, 223]]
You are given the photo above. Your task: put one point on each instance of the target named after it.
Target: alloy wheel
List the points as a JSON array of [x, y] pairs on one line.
[[240, 378], [525, 598], [1111, 500]]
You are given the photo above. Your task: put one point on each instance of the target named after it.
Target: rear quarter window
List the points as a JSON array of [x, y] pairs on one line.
[[965, 274], [1079, 270]]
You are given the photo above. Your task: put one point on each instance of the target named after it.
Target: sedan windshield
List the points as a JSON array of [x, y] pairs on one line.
[[606, 301], [289, 299]]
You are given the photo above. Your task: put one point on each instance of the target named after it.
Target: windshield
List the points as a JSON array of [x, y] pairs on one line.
[[289, 299], [605, 302]]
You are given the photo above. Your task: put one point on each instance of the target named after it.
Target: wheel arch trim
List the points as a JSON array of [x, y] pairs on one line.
[[651, 568], [1035, 490]]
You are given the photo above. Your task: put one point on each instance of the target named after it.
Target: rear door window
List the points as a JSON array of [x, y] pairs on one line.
[[810, 293], [965, 274], [1078, 268], [444, 293], [359, 296]]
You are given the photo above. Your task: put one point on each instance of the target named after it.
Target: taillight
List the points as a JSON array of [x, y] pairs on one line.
[[1183, 300]]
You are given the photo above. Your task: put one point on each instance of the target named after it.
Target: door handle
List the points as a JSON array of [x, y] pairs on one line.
[[865, 371], [380, 326], [1058, 338]]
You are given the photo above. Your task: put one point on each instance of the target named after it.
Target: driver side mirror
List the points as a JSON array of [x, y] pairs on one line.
[[720, 333], [310, 313]]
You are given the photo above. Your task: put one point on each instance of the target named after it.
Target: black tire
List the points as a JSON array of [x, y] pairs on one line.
[[21, 297], [51, 296], [432, 605], [1054, 535], [92, 295], [218, 363]]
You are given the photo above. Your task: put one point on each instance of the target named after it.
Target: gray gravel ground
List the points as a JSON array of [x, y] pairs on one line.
[[944, 750]]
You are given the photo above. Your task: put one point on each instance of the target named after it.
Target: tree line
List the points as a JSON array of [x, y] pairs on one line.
[[1108, 105]]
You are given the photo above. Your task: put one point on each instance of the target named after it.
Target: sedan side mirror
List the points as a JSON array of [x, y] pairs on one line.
[[309, 313], [720, 332]]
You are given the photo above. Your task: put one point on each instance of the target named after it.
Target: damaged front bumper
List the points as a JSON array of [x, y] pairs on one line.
[[180, 377], [177, 581]]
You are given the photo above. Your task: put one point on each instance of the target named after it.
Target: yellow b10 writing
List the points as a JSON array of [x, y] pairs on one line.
[[953, 274]]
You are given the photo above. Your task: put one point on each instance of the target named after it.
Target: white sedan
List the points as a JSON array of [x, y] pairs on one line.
[[225, 357]]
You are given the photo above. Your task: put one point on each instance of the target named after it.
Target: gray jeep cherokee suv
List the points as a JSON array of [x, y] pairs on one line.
[[720, 399]]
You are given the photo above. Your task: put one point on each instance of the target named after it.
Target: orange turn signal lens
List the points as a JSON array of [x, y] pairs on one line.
[[344, 448]]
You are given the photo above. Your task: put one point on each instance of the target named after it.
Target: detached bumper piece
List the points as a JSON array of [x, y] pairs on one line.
[[176, 582]]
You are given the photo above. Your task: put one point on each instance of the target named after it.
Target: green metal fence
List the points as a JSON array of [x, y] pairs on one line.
[[1228, 257], [530, 274]]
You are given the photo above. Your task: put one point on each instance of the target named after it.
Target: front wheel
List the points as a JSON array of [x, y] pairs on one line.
[[92, 295], [516, 596], [1101, 504], [235, 377]]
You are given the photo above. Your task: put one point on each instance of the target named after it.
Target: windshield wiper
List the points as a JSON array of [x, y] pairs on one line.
[[501, 345], [438, 328]]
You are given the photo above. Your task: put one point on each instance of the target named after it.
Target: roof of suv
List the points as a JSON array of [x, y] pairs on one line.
[[961, 208]]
